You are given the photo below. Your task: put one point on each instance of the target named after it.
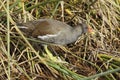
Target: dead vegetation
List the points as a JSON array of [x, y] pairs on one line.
[[93, 56]]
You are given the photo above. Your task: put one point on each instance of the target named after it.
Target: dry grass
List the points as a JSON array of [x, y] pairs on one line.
[[90, 55]]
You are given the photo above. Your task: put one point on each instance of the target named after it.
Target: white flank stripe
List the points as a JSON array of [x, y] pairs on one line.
[[48, 36], [23, 27]]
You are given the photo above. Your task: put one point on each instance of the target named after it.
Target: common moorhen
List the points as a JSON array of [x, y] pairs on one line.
[[53, 31]]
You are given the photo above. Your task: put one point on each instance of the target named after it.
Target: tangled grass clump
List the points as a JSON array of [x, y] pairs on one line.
[[93, 56]]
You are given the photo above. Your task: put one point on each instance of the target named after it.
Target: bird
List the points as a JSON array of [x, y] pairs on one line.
[[53, 31]]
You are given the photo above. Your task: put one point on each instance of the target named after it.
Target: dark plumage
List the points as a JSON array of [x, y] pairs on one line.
[[53, 31]]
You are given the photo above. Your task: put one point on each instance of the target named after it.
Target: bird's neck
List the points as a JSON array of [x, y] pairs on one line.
[[77, 31]]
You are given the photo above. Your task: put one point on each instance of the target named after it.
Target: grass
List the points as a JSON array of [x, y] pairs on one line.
[[92, 56]]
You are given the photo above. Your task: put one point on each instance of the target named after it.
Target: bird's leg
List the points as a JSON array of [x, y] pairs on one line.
[[49, 54]]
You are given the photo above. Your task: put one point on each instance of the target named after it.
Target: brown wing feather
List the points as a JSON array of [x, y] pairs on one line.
[[42, 28]]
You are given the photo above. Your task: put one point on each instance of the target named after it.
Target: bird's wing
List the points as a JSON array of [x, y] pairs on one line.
[[43, 27]]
